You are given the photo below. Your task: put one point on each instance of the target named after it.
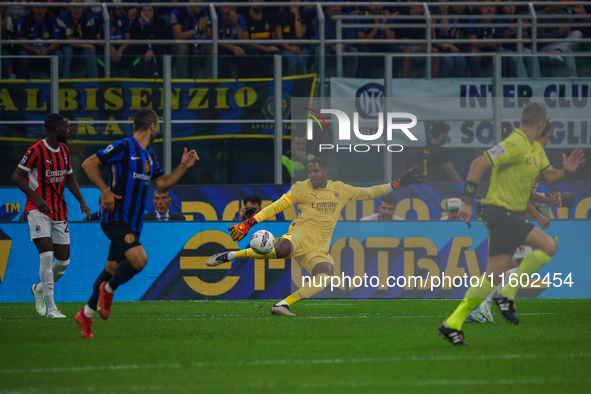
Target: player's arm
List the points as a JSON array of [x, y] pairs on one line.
[[91, 167], [20, 179], [541, 219], [451, 172], [570, 164], [239, 231], [74, 187], [165, 182], [477, 168]]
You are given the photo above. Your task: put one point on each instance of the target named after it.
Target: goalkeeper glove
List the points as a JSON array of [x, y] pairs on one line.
[[239, 231], [414, 175]]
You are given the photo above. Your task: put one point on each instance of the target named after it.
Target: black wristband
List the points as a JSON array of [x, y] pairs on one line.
[[470, 188], [469, 191]]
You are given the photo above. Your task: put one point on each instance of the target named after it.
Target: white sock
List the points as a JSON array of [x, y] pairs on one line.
[[283, 302], [88, 311], [46, 275], [59, 267], [108, 288], [496, 293], [231, 256]]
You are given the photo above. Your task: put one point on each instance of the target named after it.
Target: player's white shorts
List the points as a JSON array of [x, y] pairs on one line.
[[522, 251], [41, 226]]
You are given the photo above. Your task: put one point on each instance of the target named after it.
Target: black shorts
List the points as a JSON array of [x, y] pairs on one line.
[[507, 229], [122, 239]]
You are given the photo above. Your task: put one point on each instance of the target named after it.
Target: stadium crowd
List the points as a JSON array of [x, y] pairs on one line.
[[298, 21]]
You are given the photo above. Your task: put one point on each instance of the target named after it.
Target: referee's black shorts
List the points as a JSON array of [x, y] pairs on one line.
[[122, 239], [507, 229]]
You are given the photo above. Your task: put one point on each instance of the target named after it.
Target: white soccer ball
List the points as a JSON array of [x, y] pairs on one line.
[[262, 242]]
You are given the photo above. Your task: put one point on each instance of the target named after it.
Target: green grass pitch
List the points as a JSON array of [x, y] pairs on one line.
[[345, 346]]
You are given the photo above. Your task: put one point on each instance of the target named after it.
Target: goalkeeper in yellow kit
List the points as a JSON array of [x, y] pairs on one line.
[[307, 242]]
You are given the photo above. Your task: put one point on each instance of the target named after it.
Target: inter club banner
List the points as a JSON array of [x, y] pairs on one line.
[[116, 100], [222, 203], [467, 106], [437, 259]]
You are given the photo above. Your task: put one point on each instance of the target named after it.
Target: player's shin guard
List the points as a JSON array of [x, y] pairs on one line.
[[530, 264], [311, 288], [251, 254], [474, 296], [46, 275], [58, 268], [103, 277], [125, 271]]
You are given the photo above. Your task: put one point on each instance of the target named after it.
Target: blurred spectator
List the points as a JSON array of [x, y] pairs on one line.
[[39, 26], [292, 24], [415, 33], [161, 212], [16, 12], [486, 35], [147, 26], [6, 33], [368, 63], [251, 205], [453, 209], [520, 67], [330, 30], [260, 26], [119, 26], [385, 212], [567, 64], [191, 22], [295, 161], [232, 26], [437, 165], [454, 66], [75, 23]]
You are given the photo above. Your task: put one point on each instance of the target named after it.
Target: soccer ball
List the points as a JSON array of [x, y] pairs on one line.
[[262, 242]]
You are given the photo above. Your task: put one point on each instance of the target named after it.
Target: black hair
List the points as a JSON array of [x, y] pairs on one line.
[[320, 161], [439, 128], [389, 199], [568, 199], [252, 199], [53, 121], [144, 118]]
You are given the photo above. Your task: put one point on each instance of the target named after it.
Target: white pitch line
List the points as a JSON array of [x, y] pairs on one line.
[[288, 362]]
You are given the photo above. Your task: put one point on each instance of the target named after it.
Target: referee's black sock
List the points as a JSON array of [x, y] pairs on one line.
[[125, 272], [103, 277]]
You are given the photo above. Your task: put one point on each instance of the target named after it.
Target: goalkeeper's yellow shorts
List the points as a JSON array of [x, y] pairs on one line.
[[308, 259]]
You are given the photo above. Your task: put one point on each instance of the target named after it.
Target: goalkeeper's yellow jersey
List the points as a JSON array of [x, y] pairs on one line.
[[318, 210]]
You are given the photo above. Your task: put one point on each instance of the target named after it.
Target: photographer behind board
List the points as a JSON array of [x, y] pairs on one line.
[[251, 205]]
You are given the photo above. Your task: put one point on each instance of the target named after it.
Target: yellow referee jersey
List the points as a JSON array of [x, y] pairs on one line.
[[515, 165], [319, 210]]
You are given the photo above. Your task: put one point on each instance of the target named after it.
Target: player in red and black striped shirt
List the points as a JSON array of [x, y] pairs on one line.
[[42, 175]]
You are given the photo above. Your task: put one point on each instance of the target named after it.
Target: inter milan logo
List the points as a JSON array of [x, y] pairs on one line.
[[129, 238], [147, 166]]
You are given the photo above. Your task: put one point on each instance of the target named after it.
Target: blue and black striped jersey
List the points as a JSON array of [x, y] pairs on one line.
[[130, 170]]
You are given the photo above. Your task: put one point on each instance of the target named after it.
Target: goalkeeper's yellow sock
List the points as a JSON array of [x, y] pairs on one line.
[[251, 254], [307, 291], [474, 296], [530, 264]]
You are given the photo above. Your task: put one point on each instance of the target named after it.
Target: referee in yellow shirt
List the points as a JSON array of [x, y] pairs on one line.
[[515, 162], [320, 202]]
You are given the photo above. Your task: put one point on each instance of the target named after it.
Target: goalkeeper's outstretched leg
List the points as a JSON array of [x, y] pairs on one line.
[[282, 250]]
